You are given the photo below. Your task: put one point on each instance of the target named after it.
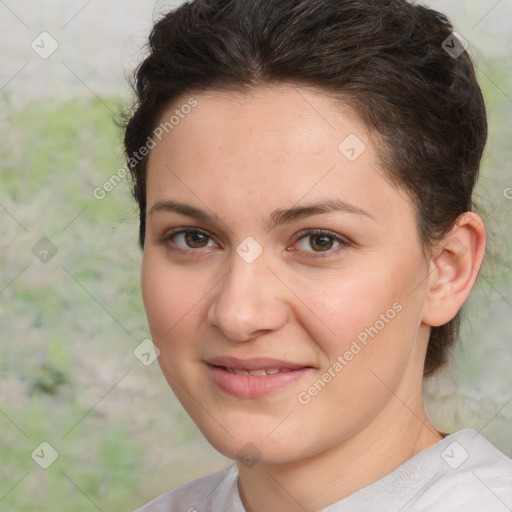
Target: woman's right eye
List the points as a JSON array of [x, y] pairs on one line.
[[186, 239]]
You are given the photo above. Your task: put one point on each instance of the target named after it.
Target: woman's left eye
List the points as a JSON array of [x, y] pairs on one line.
[[320, 241]]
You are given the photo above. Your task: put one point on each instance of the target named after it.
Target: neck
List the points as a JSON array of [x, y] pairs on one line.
[[345, 468]]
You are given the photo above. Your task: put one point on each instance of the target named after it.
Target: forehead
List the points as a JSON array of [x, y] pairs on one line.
[[267, 148], [288, 119]]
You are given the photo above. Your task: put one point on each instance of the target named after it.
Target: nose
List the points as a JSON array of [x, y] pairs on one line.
[[250, 300]]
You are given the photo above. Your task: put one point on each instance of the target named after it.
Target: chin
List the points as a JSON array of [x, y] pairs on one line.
[[248, 443]]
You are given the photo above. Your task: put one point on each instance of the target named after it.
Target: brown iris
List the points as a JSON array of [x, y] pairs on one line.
[[321, 242], [195, 239]]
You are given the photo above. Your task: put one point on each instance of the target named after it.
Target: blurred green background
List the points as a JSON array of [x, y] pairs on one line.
[[69, 326]]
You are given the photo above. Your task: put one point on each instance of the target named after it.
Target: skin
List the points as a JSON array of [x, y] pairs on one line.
[[240, 156]]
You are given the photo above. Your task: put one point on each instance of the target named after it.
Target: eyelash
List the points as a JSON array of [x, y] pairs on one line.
[[343, 242]]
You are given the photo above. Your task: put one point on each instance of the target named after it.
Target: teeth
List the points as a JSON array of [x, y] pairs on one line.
[[257, 372], [268, 371]]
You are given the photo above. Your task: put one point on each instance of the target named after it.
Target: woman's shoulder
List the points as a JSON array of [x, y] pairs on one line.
[[463, 472], [472, 473], [217, 491]]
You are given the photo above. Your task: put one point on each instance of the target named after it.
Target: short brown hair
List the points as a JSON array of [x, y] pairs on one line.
[[387, 59]]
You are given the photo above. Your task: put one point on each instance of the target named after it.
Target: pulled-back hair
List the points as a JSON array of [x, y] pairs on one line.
[[387, 59]]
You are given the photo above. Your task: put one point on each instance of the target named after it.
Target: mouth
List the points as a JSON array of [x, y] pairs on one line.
[[256, 373], [251, 364], [254, 377]]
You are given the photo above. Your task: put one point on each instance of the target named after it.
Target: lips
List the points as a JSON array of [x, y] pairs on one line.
[[254, 377], [253, 363], [257, 373]]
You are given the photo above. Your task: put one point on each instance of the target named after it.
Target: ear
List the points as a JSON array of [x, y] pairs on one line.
[[454, 266]]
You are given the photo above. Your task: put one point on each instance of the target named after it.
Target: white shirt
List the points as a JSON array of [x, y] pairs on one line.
[[463, 472]]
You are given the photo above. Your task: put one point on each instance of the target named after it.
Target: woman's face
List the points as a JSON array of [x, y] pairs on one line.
[[275, 243]]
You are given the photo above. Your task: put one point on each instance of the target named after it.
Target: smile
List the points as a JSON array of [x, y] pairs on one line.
[[266, 371], [255, 377]]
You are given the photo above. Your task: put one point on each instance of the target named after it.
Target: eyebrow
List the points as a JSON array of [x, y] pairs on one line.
[[276, 218]]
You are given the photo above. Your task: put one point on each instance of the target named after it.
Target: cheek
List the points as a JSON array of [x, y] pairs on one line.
[[351, 301], [374, 308], [168, 297]]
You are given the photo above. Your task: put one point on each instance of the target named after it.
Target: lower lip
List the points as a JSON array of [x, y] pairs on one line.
[[254, 386]]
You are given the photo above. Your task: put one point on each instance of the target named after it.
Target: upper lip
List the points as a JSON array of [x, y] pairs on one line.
[[252, 363]]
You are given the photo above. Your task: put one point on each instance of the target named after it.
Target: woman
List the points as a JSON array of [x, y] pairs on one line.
[[304, 172]]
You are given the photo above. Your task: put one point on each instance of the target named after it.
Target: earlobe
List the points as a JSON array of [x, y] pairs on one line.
[[453, 269]]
